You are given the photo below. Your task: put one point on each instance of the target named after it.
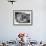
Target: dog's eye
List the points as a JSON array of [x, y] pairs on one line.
[[24, 17]]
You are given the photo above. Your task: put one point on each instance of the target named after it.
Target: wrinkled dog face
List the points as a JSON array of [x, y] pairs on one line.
[[22, 17]]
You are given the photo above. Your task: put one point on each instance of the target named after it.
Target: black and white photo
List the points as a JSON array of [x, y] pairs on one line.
[[22, 17]]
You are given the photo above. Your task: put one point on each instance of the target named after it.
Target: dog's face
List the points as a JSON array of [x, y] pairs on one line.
[[23, 18]]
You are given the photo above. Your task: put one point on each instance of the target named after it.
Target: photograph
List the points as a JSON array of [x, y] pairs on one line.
[[22, 17]]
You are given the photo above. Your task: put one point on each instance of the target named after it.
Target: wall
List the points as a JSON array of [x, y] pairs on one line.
[[37, 31]]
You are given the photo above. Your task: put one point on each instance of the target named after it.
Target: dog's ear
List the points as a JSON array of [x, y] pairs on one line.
[[19, 35]]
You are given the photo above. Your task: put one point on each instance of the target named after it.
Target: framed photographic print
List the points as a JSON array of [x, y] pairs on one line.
[[22, 17]]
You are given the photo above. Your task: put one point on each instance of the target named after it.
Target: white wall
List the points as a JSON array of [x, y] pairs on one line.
[[38, 30]]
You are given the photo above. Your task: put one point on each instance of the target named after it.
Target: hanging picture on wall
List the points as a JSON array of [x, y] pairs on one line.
[[22, 17]]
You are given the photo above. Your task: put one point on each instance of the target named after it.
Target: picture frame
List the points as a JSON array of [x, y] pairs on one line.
[[22, 17]]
